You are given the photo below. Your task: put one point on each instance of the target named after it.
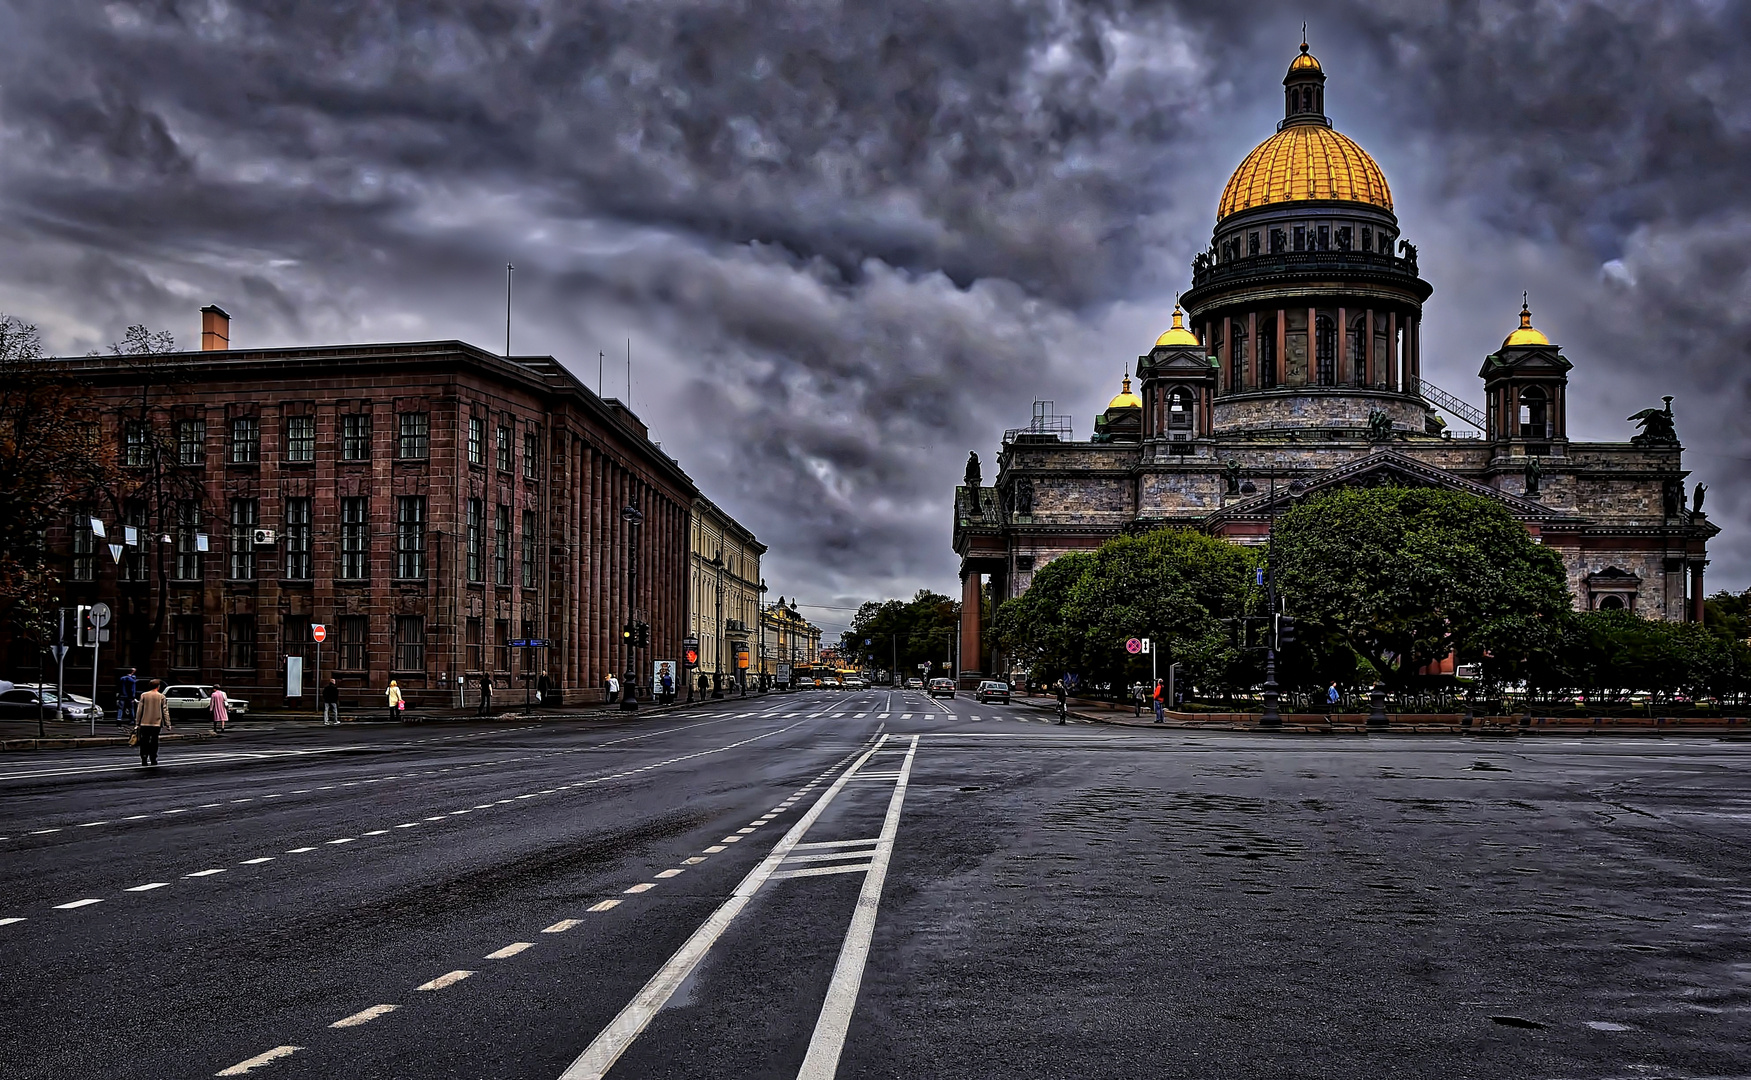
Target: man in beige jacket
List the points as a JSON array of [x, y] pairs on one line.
[[151, 715]]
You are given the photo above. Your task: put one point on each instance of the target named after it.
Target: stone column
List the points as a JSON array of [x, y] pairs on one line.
[[1249, 378], [1392, 375], [1696, 593], [971, 630], [1371, 375]]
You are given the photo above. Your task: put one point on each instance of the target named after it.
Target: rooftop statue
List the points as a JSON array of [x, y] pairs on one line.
[[1657, 426]]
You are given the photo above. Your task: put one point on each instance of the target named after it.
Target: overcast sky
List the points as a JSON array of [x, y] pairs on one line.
[[851, 241]]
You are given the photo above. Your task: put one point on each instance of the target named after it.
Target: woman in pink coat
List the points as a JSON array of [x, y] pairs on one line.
[[221, 706]]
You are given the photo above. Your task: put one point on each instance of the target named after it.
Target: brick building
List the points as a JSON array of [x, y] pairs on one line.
[[428, 503], [1298, 357]]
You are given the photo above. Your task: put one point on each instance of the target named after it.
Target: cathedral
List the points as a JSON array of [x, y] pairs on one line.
[[1296, 356]]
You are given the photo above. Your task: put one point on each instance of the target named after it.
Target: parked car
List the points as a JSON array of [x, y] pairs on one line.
[[942, 688], [196, 699], [991, 690], [24, 701], [914, 684]]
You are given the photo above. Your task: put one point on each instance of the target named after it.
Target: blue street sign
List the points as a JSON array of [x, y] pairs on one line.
[[529, 643]]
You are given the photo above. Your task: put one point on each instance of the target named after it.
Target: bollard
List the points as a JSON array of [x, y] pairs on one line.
[[1377, 707]]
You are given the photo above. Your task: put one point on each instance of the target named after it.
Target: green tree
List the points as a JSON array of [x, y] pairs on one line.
[[920, 630], [1405, 576]]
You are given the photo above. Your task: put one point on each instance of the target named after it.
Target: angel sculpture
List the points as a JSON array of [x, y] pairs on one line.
[[1657, 426]]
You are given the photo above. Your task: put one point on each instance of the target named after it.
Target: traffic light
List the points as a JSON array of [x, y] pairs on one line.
[[1285, 631], [84, 627], [642, 638], [627, 634]]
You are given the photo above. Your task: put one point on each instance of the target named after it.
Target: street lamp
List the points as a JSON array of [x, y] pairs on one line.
[[717, 649], [634, 517], [760, 633], [1272, 718]]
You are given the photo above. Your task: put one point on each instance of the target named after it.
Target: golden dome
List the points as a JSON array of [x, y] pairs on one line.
[[1177, 334], [1526, 334], [1301, 162], [1304, 62], [1125, 399]]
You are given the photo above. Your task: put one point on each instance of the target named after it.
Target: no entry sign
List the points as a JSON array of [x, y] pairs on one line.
[[318, 631]]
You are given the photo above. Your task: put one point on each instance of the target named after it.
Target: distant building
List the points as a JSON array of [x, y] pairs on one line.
[[724, 563], [426, 503], [1298, 355], [789, 638]]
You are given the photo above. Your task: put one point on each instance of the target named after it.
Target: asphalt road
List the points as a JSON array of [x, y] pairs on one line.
[[872, 885]]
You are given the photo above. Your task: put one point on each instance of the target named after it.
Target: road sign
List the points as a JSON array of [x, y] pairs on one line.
[[1144, 642], [1133, 646], [318, 632], [115, 552], [59, 652], [100, 614], [528, 643]]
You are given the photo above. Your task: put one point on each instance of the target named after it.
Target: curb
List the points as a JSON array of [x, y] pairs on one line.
[[81, 742]]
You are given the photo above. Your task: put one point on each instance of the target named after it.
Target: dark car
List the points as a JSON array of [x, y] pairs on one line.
[[991, 690], [25, 703], [942, 688]]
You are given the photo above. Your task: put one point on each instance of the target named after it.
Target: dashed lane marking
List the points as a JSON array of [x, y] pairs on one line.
[[9, 922], [643, 886], [442, 981], [364, 1016], [669, 873], [606, 905], [563, 925], [259, 1060], [298, 850], [148, 887], [206, 873], [510, 950], [256, 862], [87, 902]]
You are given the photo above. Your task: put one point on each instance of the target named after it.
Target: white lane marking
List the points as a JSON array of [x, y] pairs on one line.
[[822, 1060], [643, 886], [830, 856], [746, 831], [408, 825], [259, 1060], [78, 904], [605, 905], [669, 873], [562, 926], [607, 1047], [905, 716], [92, 824], [375, 832], [510, 950], [136, 817], [694, 861], [344, 840], [871, 841], [819, 871], [442, 981], [148, 887], [731, 840], [256, 862], [364, 1016], [43, 832], [715, 848], [205, 873], [298, 850], [440, 817], [9, 922]]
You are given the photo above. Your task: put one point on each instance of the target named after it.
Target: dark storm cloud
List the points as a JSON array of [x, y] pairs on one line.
[[852, 241]]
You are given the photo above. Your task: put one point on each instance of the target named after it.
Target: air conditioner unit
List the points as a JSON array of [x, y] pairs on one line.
[[264, 536]]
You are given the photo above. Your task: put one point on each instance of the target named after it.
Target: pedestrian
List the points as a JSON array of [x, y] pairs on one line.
[[127, 695], [668, 686], [1159, 701], [543, 683], [1331, 700], [219, 705], [397, 706], [613, 688], [331, 703], [485, 705], [152, 715], [1063, 701]]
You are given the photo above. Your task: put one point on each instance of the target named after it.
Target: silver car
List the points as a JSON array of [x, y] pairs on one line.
[[22, 703]]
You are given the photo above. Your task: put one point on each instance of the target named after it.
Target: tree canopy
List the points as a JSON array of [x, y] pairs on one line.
[[920, 630]]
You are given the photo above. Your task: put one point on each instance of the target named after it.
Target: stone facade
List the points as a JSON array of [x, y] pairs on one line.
[[725, 588]]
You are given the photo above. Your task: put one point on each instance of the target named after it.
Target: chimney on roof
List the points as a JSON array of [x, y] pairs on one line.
[[215, 328]]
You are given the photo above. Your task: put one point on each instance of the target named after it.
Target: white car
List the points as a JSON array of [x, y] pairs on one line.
[[196, 699], [855, 683]]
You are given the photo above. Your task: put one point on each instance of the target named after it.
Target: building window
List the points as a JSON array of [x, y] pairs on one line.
[[355, 531], [185, 652], [502, 448], [84, 544], [1237, 359], [1356, 344], [531, 454], [474, 658], [240, 642], [473, 524], [245, 440], [529, 557], [1300, 238], [298, 539], [1325, 348], [188, 555], [243, 523], [191, 443], [410, 536], [1267, 354], [355, 436], [1534, 415], [134, 442], [476, 434], [133, 567], [416, 436], [501, 546], [301, 438], [355, 639], [410, 643], [501, 632]]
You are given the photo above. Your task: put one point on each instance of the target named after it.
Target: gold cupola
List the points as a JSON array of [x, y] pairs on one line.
[[1527, 334], [1125, 399], [1177, 334]]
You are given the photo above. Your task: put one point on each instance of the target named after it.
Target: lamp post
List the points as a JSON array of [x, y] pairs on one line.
[[1271, 718], [634, 517], [760, 633], [717, 648]]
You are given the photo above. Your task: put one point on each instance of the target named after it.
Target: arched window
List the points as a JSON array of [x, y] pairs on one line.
[[1267, 351], [1611, 603], [1325, 348], [1356, 348], [1237, 360], [1179, 411], [1534, 414]]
